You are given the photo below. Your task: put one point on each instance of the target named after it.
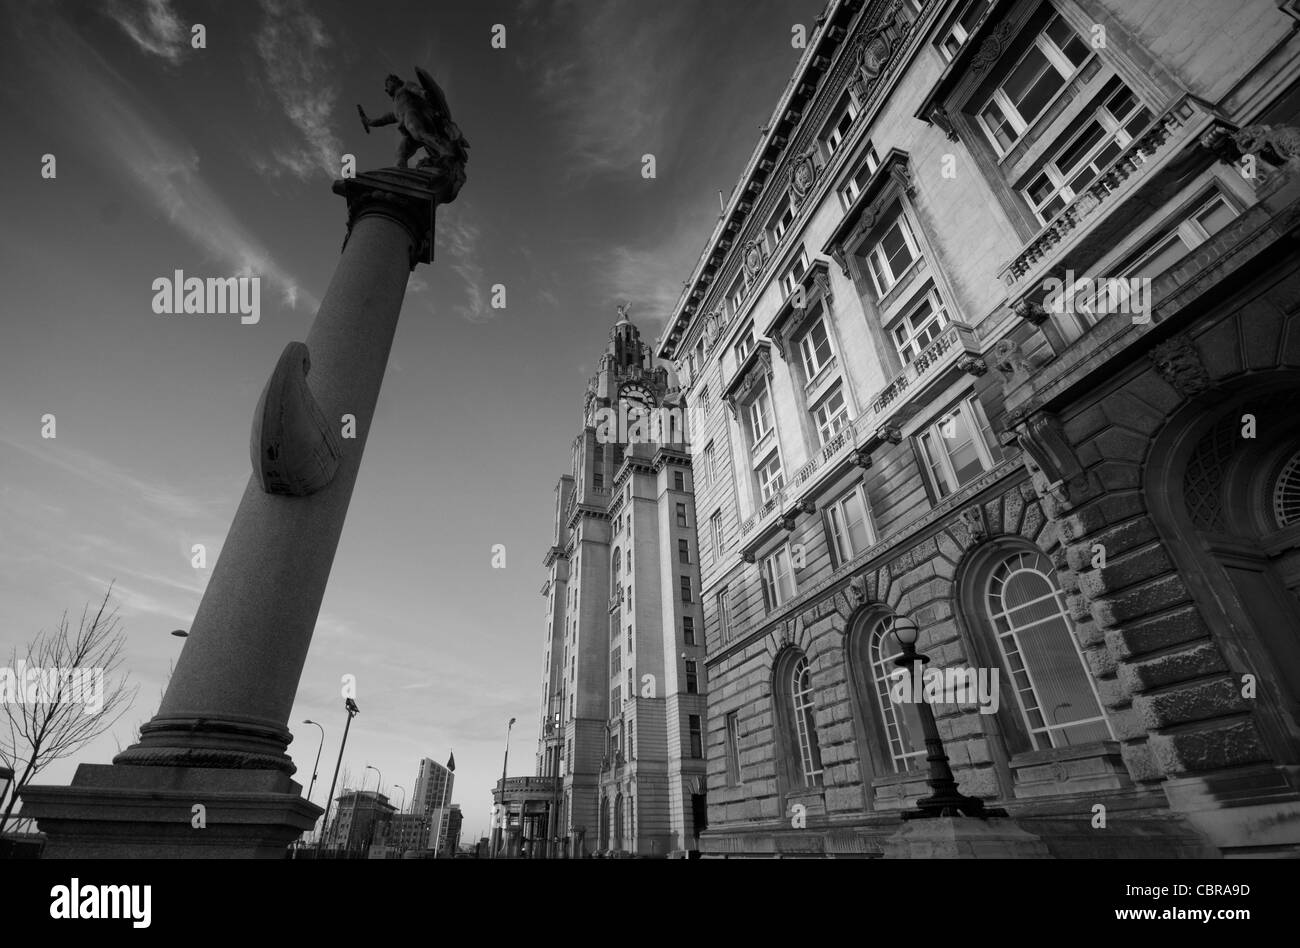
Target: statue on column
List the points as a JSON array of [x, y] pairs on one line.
[[423, 120]]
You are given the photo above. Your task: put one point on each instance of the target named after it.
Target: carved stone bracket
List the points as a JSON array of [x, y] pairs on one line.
[[1011, 363], [973, 518], [972, 365], [822, 281], [748, 557], [1179, 363], [1031, 311], [891, 433], [1048, 451], [903, 175], [861, 458], [942, 120]]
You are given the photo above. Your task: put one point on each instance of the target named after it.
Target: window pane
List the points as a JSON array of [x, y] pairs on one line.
[[999, 125], [1021, 81], [1215, 217], [1039, 94], [1055, 692]]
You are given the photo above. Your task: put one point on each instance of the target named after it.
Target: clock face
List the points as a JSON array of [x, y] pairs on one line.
[[637, 395]]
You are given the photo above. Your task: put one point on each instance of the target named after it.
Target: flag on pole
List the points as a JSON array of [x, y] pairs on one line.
[[451, 762]]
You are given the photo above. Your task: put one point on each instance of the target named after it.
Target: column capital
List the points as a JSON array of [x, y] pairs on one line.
[[403, 195]]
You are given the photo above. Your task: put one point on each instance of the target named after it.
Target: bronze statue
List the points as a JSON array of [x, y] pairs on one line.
[[424, 121]]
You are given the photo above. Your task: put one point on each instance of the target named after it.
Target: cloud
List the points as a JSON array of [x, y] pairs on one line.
[[462, 241], [648, 277], [612, 95], [165, 170], [290, 43], [153, 25]]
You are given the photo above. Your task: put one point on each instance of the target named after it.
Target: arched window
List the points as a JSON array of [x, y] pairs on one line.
[[617, 564], [904, 738], [1056, 695], [805, 712]]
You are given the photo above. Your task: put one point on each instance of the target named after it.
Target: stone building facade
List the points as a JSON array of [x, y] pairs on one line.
[[999, 331], [623, 687]]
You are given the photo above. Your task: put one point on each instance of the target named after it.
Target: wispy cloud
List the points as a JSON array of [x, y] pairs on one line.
[[291, 43], [461, 238], [165, 170], [153, 25], [612, 93]]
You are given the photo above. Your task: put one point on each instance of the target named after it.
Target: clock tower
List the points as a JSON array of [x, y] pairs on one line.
[[623, 692]]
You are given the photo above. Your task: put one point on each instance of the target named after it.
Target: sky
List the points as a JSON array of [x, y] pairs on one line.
[[218, 162]]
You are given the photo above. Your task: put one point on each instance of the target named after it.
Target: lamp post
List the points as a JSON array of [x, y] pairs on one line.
[[374, 809], [402, 809], [351, 707], [945, 799], [316, 766], [505, 807]]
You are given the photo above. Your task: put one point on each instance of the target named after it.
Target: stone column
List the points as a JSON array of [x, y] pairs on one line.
[[220, 736]]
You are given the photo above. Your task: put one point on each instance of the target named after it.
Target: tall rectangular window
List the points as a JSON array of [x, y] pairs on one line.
[[779, 223], [686, 588], [692, 678], [891, 255], [681, 515], [771, 478], [697, 735], [715, 532], [1094, 140], [744, 345], [709, 458], [1032, 83], [683, 551], [760, 417], [733, 749], [838, 126], [736, 295], [953, 37], [850, 191], [705, 405], [679, 480], [815, 349], [831, 415], [793, 274], [849, 519], [920, 326], [688, 630], [777, 574], [721, 606], [958, 447]]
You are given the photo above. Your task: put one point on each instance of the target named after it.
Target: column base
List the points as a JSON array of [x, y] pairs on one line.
[[124, 812], [949, 837]]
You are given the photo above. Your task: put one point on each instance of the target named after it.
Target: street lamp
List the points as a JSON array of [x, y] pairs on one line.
[[945, 799], [504, 806], [402, 810], [180, 633], [351, 707], [316, 766]]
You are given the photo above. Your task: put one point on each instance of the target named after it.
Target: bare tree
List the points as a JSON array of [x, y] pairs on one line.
[[62, 694]]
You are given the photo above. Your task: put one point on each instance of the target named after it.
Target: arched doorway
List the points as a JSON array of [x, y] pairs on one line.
[[1223, 487]]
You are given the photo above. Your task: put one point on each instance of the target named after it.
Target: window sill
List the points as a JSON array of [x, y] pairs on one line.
[[1069, 770]]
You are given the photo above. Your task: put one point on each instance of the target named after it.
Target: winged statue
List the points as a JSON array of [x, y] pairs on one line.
[[423, 120]]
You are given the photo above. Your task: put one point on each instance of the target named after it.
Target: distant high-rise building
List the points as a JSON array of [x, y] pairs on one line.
[[432, 800], [622, 698]]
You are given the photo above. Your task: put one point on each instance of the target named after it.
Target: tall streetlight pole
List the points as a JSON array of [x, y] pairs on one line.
[[379, 785], [316, 766], [398, 786], [351, 707], [505, 807]]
